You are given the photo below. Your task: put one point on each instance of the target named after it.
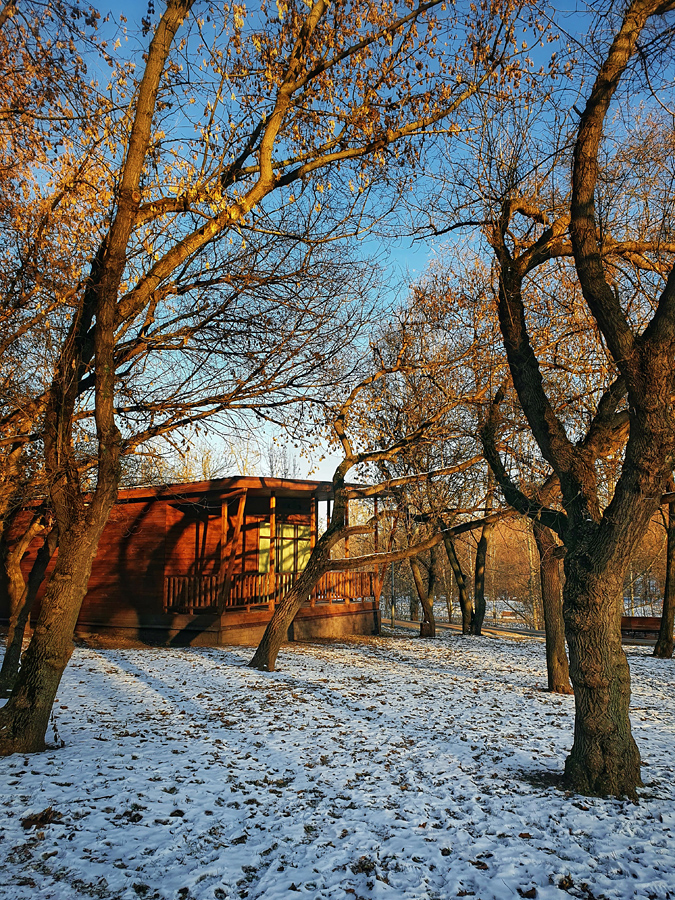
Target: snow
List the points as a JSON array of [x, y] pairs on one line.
[[383, 768]]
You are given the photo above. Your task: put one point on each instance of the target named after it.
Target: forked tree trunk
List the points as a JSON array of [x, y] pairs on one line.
[[604, 759], [428, 626], [557, 666], [664, 643], [464, 600], [25, 718], [21, 614], [479, 579], [481, 558], [15, 580]]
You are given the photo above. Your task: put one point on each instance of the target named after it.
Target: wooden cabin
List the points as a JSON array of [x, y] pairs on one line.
[[205, 563]]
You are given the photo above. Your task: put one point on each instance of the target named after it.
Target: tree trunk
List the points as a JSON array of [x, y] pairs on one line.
[[25, 718], [265, 656], [276, 633], [448, 601], [664, 643], [464, 601], [80, 522], [21, 614], [479, 580], [428, 625], [604, 759], [531, 580], [557, 666], [481, 558]]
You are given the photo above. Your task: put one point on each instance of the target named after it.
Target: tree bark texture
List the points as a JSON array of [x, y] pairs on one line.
[[557, 666], [664, 643], [604, 759], [479, 579], [21, 614], [25, 718]]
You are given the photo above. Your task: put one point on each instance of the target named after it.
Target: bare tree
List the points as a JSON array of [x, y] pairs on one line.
[[604, 757]]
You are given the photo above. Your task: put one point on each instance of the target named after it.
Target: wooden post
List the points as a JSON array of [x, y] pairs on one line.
[[313, 528], [377, 526], [347, 526], [227, 583], [273, 543], [223, 533], [314, 524], [346, 576]]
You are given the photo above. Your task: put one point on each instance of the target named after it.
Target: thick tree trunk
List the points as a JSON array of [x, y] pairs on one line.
[[664, 643], [604, 759], [464, 600], [21, 614], [428, 625], [557, 666], [25, 718]]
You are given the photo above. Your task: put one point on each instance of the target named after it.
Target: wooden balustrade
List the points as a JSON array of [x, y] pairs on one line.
[[190, 593], [199, 593]]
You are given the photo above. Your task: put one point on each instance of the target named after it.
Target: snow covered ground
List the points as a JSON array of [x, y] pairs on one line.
[[386, 768]]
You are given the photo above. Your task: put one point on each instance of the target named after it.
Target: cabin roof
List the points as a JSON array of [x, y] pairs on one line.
[[255, 486]]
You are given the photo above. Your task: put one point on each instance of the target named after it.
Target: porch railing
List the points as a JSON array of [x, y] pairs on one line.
[[194, 594]]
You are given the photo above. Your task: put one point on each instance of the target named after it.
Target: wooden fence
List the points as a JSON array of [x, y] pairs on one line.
[[194, 594]]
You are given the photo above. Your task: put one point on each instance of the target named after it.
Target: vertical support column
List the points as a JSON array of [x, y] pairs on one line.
[[347, 526], [377, 525], [314, 536], [223, 534], [376, 577], [227, 582], [346, 575], [313, 532], [273, 552]]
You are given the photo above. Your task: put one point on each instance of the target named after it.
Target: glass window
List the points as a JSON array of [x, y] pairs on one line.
[[304, 552], [294, 543], [264, 547]]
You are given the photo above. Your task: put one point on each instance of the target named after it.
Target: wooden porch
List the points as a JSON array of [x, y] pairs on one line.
[[198, 594]]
